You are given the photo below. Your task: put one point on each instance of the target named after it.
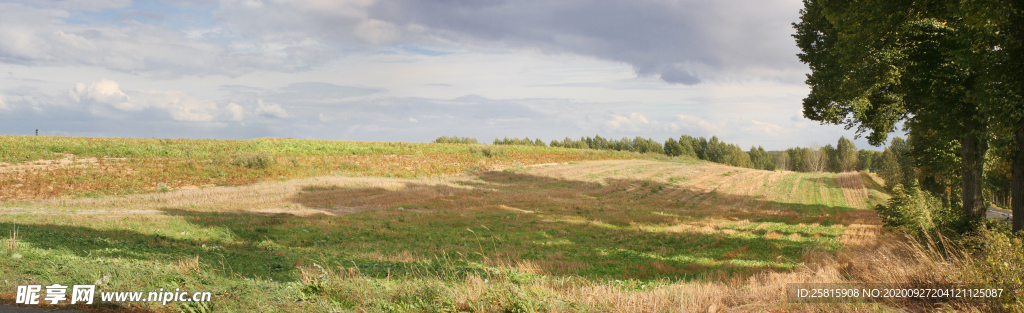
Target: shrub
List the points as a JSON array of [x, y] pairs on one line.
[[1001, 265], [917, 212], [258, 160]]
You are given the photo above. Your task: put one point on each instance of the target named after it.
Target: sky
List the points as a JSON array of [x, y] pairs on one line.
[[407, 70]]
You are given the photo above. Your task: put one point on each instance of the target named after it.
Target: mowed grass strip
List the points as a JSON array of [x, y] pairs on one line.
[[521, 239], [34, 167]]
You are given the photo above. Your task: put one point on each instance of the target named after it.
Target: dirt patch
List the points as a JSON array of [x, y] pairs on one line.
[[69, 160]]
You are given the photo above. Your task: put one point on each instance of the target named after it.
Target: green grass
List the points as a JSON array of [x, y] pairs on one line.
[[260, 255]]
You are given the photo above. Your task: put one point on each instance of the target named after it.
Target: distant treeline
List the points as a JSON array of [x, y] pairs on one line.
[[843, 157]]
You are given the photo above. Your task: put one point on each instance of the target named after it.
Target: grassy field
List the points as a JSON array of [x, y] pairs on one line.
[[33, 167], [341, 226]]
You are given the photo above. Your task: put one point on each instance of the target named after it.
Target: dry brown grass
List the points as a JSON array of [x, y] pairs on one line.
[[187, 265], [888, 260], [69, 160]]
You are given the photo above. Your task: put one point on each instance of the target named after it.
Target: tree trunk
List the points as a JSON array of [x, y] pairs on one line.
[[973, 149], [1015, 33], [1017, 193]]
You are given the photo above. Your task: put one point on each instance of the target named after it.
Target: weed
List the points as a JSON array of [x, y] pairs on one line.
[[12, 240], [488, 152]]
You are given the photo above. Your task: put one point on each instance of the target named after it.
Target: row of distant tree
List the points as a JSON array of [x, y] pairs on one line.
[[843, 157], [456, 139]]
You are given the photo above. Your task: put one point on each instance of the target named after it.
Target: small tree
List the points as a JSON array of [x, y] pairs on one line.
[[815, 158]]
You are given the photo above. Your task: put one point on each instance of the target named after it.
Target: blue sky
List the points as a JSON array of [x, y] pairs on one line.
[[405, 70]]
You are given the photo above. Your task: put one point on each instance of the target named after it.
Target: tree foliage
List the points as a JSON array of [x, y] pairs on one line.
[[897, 166], [875, 63]]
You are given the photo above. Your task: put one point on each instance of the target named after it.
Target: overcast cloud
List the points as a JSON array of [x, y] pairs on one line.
[[405, 70]]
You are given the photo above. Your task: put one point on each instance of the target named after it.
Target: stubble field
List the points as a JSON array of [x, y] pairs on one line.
[[455, 227]]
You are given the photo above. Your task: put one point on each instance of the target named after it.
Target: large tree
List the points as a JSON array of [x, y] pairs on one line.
[[877, 63], [999, 33]]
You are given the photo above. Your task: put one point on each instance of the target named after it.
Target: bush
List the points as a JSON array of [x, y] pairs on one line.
[[917, 212], [1001, 265], [258, 160]]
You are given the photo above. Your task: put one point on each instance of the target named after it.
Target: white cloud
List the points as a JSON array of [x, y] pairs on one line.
[[413, 120], [3, 105], [105, 92], [40, 35], [635, 122], [180, 106], [376, 31], [695, 126], [270, 110], [87, 5], [755, 126], [235, 110], [638, 117]]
